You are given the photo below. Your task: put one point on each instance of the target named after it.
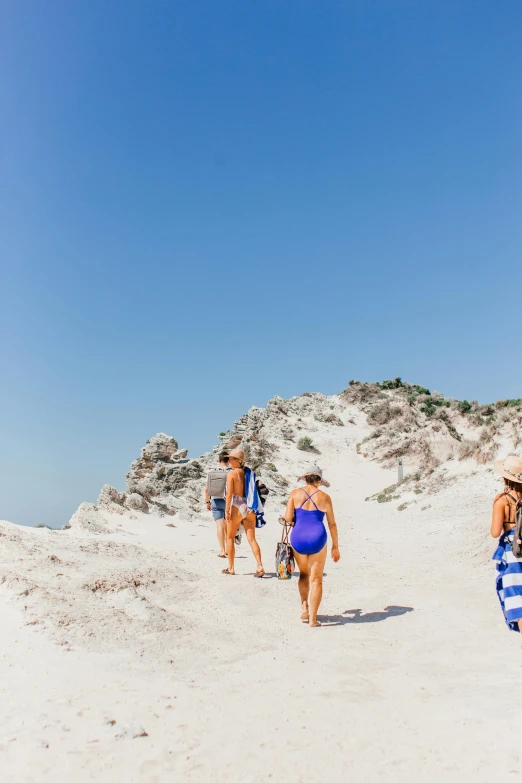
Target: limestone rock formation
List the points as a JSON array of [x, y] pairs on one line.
[[389, 420], [110, 497], [162, 470], [136, 502], [87, 517]]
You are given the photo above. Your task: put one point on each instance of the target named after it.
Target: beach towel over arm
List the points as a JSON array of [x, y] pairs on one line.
[[254, 502]]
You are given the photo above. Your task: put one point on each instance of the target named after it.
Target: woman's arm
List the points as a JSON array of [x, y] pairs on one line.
[[229, 493], [333, 529], [499, 515], [290, 508]]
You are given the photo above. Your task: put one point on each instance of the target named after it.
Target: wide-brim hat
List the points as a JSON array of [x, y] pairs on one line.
[[238, 454], [510, 468], [315, 470]]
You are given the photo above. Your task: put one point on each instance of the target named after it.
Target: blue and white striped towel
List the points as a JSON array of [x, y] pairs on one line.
[[509, 581], [254, 502]]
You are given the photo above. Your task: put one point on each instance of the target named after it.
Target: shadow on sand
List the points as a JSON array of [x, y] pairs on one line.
[[358, 617]]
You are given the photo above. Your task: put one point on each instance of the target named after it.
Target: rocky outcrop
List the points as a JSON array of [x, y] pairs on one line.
[[392, 419], [161, 448], [87, 517], [111, 499], [136, 502], [161, 470]]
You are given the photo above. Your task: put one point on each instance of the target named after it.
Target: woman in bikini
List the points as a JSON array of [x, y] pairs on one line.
[[509, 568], [308, 539], [237, 512]]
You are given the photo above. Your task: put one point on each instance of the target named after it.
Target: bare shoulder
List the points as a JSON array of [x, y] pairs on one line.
[[501, 496], [325, 496], [296, 491]]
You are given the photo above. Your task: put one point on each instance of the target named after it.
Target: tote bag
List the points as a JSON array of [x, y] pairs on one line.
[[285, 563]]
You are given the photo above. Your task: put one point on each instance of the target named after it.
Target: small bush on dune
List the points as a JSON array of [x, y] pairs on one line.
[[464, 406], [329, 418], [467, 449], [395, 384], [304, 443], [384, 413], [513, 403], [360, 393]]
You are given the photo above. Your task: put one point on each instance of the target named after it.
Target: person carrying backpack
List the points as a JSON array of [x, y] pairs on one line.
[[215, 498], [507, 523]]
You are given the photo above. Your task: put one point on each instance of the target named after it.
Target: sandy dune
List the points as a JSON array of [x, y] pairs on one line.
[[128, 656]]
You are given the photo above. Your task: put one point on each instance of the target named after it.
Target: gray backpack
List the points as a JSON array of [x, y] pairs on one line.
[[516, 546], [216, 483]]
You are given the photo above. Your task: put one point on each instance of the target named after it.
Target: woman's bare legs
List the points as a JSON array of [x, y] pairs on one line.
[[311, 569], [232, 528], [316, 563], [303, 583], [249, 523], [221, 529]]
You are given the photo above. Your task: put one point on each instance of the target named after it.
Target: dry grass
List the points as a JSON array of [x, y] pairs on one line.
[[384, 413]]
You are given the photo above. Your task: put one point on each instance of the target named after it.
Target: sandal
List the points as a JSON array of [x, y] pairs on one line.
[[220, 555], [258, 574], [226, 571]]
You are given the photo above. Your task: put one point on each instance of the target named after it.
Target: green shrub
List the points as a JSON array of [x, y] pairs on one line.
[[514, 403], [464, 406], [222, 434], [395, 384], [420, 389], [304, 443], [440, 402]]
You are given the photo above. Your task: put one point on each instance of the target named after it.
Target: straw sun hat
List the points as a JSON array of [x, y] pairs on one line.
[[510, 468], [315, 470], [238, 454]]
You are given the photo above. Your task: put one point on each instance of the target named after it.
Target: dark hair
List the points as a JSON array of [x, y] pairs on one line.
[[514, 485], [312, 478], [223, 457]]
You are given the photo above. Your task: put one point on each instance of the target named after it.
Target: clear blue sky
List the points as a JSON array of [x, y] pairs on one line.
[[205, 203]]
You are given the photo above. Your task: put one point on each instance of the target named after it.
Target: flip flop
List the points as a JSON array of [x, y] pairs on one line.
[[226, 571], [259, 574], [221, 555]]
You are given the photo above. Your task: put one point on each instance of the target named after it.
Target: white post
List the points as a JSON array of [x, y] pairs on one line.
[[400, 469]]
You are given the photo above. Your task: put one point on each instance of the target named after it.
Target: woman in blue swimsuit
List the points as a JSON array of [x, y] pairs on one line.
[[309, 505]]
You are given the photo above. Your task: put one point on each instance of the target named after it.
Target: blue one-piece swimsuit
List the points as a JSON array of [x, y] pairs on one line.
[[308, 535]]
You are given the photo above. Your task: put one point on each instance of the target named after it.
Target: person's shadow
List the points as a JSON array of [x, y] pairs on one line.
[[358, 617]]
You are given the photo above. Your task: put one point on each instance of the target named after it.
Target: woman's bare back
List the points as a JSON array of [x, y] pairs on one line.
[[238, 482], [509, 507], [320, 499]]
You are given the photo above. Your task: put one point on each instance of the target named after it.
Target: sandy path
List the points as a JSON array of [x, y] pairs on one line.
[[429, 687]]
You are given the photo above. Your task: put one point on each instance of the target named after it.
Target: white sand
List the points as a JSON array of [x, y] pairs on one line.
[[227, 683]]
